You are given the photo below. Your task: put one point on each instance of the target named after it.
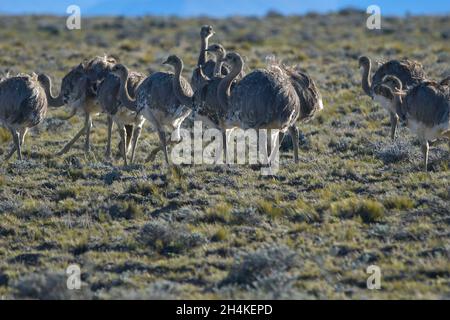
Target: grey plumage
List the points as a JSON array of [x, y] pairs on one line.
[[23, 105], [163, 98], [270, 98], [79, 89], [424, 108], [206, 104], [428, 103], [307, 91], [409, 72], [208, 66], [108, 91], [97, 69], [128, 122]]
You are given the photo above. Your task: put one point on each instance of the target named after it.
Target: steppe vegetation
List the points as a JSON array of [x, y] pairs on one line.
[[355, 199]]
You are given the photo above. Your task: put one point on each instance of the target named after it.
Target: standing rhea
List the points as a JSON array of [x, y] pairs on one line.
[[207, 67], [23, 105], [425, 108], [78, 91], [409, 72], [109, 100], [205, 102], [162, 98], [206, 105], [219, 52], [273, 98]]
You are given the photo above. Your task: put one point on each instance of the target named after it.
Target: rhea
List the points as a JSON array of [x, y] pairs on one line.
[[129, 123], [206, 106], [164, 98], [409, 72], [274, 98], [23, 105], [78, 91], [205, 66], [425, 108]]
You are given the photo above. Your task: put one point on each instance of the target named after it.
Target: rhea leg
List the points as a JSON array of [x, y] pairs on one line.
[[123, 143], [129, 128], [108, 143], [77, 136], [13, 149], [162, 138], [224, 141], [17, 141], [169, 142], [394, 124], [425, 149], [293, 131], [274, 145], [136, 134], [10, 153], [88, 126], [71, 142]]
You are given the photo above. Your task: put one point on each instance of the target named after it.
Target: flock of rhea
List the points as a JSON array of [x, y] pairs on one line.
[[218, 93]]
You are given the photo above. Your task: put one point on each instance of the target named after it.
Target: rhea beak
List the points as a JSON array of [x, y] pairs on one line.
[[166, 62]]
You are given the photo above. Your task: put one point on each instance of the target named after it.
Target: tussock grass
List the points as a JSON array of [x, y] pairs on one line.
[[221, 212], [369, 211], [270, 209], [5, 135], [399, 203]]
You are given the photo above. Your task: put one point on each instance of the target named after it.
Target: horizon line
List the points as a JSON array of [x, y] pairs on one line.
[[188, 16]]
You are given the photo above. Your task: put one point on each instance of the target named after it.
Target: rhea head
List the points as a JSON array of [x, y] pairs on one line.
[[207, 31]]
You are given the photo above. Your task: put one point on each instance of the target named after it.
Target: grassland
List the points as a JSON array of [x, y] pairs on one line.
[[356, 199]]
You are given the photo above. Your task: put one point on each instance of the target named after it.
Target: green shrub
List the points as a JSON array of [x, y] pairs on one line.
[[2, 181], [220, 235], [267, 208], [221, 212], [66, 193], [5, 136], [369, 211], [128, 211], [169, 238]]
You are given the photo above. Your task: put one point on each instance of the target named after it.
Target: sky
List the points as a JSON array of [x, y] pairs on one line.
[[219, 8]]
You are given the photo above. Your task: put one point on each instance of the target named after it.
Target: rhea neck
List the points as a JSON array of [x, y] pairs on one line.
[[224, 88], [366, 81], [219, 64], [398, 104], [124, 95], [53, 101], [184, 97], [203, 48]]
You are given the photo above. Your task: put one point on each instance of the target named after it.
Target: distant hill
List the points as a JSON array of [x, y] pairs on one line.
[[217, 8]]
